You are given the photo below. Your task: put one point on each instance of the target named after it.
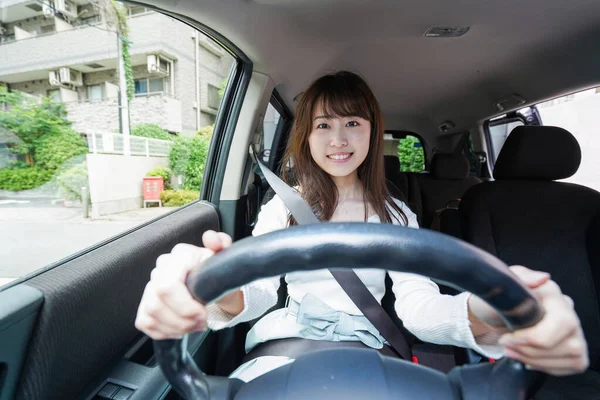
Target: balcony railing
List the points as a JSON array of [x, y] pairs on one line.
[[112, 143]]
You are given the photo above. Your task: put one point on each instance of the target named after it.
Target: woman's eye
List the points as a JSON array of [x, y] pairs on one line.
[[352, 123], [322, 126]]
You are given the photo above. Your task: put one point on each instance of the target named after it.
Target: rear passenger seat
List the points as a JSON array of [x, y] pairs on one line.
[[449, 180], [404, 186]]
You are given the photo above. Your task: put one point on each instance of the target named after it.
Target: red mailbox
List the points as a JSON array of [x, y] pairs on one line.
[[152, 186]]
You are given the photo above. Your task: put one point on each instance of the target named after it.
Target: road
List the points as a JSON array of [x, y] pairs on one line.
[[32, 237]]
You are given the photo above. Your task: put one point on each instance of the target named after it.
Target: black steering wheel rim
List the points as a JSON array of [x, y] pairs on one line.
[[362, 245], [353, 245]]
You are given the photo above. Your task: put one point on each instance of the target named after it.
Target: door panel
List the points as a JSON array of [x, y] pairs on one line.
[[19, 307], [90, 302]]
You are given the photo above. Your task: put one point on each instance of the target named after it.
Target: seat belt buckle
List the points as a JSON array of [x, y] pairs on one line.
[[415, 359]]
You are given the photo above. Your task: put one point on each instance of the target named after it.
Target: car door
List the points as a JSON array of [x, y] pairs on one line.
[[77, 256]]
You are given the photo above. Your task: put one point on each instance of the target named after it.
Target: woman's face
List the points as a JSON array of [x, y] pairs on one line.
[[339, 145]]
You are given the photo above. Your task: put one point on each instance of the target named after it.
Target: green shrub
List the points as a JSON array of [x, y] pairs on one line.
[[71, 177], [176, 198], [410, 152], [188, 159], [30, 119], [152, 131], [164, 172], [16, 179], [56, 148], [207, 131]]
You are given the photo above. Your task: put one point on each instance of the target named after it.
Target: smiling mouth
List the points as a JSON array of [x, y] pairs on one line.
[[339, 156]]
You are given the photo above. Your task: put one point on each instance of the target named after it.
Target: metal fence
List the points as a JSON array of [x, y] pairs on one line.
[[112, 143]]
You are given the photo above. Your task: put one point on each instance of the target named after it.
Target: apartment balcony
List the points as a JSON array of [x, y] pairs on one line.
[[87, 48], [103, 115]]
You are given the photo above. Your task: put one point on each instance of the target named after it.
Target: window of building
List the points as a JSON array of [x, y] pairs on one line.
[[213, 96], [149, 86], [95, 92], [54, 94], [93, 20], [136, 10]]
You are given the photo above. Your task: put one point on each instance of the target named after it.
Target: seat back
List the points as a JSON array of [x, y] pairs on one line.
[[526, 218], [403, 186], [449, 180]]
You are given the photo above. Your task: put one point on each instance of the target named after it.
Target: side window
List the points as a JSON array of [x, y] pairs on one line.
[[103, 140], [578, 114], [407, 148], [269, 126], [499, 131]]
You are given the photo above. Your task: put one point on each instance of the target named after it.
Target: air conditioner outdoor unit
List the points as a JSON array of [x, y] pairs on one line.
[[54, 78], [66, 7], [158, 65], [48, 10], [70, 76]]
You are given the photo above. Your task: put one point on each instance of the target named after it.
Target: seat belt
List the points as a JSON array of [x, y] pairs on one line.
[[347, 278]]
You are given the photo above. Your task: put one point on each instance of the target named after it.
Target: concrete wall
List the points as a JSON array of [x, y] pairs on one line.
[[582, 119], [94, 116], [116, 181]]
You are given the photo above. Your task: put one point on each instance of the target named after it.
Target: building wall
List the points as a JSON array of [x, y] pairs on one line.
[[103, 116], [150, 33], [125, 175]]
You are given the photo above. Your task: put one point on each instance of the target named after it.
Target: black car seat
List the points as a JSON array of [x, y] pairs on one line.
[[403, 185], [524, 217], [448, 181]]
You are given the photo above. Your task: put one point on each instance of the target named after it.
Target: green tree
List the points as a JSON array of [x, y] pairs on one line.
[[152, 131], [187, 159], [410, 152], [46, 140], [31, 120]]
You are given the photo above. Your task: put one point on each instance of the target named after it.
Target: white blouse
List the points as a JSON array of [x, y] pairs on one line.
[[429, 315]]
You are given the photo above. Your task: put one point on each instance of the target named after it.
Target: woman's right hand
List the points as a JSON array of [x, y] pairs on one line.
[[167, 309]]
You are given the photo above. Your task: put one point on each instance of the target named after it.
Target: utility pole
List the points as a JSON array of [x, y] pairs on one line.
[[123, 100]]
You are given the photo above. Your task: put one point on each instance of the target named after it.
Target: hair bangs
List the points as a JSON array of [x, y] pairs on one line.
[[342, 99]]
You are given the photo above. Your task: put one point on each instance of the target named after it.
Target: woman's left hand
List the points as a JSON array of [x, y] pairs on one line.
[[555, 345]]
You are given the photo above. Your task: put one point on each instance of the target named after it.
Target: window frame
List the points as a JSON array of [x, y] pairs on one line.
[[148, 93], [424, 145], [510, 117]]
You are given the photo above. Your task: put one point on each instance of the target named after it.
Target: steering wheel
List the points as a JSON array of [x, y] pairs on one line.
[[359, 373]]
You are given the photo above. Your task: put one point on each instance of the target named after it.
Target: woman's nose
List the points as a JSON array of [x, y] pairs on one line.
[[338, 138]]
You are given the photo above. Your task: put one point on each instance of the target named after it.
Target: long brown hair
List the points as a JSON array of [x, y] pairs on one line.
[[341, 94]]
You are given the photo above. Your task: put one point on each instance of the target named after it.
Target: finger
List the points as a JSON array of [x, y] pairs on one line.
[[182, 259], [158, 316], [559, 322], [154, 330], [212, 241], [157, 321], [572, 347], [175, 295], [225, 239], [533, 279]]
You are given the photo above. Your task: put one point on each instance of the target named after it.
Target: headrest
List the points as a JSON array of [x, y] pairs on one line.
[[392, 164], [538, 153], [449, 166]]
